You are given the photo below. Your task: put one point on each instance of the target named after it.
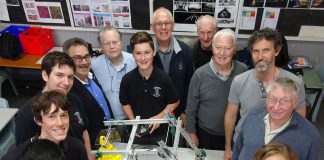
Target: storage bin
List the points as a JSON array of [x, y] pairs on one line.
[[36, 40], [15, 30]]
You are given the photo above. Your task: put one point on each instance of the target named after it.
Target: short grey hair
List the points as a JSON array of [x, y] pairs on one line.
[[227, 33], [160, 10], [284, 83], [73, 42], [108, 28], [206, 18]]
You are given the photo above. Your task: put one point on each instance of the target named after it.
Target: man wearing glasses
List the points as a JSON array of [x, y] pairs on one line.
[[87, 88], [173, 56], [280, 123], [247, 93], [110, 68], [208, 93]]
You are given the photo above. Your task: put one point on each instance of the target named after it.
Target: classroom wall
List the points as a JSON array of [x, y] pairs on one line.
[[313, 49]]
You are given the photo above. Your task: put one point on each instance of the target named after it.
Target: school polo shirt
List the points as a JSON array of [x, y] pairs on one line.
[[147, 98]]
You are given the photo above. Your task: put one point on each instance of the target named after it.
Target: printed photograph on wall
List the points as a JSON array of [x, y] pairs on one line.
[[299, 3], [318, 3], [186, 12], [55, 12], [43, 12], [12, 3], [276, 3], [253, 3]]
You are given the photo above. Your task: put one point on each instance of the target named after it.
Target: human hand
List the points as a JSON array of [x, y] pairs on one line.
[[155, 125], [183, 119], [194, 138], [228, 154]]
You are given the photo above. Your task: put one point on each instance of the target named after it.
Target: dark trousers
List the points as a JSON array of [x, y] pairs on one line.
[[210, 141]]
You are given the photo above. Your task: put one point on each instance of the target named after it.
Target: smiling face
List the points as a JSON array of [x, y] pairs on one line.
[[280, 104], [223, 50], [61, 78], [162, 26], [79, 54], [143, 54], [54, 125], [263, 55]]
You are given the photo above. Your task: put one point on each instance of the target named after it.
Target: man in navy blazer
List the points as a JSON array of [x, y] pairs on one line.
[[87, 88]]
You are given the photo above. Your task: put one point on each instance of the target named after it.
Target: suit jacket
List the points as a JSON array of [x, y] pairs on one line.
[[95, 114]]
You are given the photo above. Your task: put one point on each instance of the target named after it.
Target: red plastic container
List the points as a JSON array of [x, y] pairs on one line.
[[36, 40]]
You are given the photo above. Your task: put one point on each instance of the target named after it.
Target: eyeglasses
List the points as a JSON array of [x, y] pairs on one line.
[[79, 59], [166, 24], [283, 101]]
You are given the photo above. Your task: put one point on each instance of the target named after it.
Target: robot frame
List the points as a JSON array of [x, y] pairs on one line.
[[167, 153]]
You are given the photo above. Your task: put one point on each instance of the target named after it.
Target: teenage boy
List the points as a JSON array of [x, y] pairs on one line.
[[57, 72], [51, 113], [147, 91]]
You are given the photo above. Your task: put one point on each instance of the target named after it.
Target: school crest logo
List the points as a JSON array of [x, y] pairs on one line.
[[156, 92]]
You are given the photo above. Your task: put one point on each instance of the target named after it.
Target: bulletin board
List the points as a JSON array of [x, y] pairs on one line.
[[39, 12], [291, 15]]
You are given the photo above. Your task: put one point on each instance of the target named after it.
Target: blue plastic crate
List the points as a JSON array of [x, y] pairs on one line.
[[15, 30]]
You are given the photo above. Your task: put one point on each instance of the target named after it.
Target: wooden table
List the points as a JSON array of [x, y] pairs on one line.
[[26, 61]]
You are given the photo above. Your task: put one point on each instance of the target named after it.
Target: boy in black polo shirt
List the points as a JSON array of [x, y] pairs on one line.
[[50, 110], [147, 91]]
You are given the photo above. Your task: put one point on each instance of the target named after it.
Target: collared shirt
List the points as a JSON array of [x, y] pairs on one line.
[[110, 77], [269, 135], [220, 76], [96, 92], [166, 56]]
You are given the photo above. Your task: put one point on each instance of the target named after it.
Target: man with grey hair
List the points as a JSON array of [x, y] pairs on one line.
[[208, 93], [173, 56], [247, 93], [87, 88], [280, 123], [202, 47], [110, 68]]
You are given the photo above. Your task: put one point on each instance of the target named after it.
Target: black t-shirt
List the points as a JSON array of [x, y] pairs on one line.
[[73, 149], [201, 56], [148, 98], [26, 127]]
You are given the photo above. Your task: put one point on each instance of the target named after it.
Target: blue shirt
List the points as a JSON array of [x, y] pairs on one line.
[[94, 89], [110, 77]]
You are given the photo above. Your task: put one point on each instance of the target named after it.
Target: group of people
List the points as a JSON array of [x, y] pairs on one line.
[[202, 84]]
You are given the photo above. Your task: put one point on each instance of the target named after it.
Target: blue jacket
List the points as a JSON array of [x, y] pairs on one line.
[[300, 135], [180, 71]]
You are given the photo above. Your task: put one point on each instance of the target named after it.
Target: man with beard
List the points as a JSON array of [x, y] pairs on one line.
[[87, 88], [247, 91]]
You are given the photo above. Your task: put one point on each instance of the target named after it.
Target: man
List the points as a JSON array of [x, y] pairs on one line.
[[208, 93], [202, 47], [173, 56], [279, 124], [111, 66], [57, 72], [147, 91], [247, 91], [87, 88], [51, 113]]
